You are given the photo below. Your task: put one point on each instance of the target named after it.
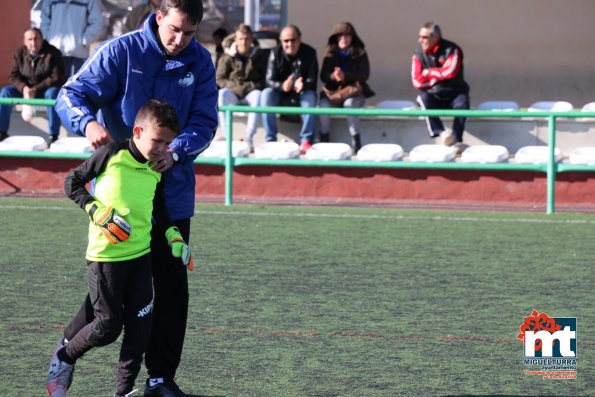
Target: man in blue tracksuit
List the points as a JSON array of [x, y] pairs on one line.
[[162, 60]]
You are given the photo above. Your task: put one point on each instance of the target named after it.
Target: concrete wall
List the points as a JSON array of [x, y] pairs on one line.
[[525, 50], [15, 22]]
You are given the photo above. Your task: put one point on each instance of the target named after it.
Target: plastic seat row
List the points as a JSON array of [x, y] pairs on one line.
[[556, 106], [335, 151], [392, 152], [26, 143]]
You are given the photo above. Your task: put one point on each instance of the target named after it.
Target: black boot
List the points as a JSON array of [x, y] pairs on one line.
[[325, 137], [356, 143], [3, 135]]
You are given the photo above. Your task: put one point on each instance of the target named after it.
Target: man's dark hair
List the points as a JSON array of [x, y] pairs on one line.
[[159, 112], [192, 9], [33, 29]]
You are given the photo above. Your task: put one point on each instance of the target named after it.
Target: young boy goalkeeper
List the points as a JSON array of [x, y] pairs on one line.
[[118, 253]]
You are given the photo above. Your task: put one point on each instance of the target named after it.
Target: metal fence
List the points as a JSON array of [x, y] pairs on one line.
[[551, 168]]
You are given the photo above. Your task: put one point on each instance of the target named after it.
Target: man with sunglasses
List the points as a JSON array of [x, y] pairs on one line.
[[292, 74], [437, 72]]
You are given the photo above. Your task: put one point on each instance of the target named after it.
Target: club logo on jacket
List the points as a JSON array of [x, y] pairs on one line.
[[137, 69], [187, 80]]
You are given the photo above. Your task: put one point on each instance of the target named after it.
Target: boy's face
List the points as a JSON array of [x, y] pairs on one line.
[[152, 140]]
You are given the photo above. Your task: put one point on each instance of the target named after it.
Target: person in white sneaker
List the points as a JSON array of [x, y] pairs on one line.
[[437, 72], [37, 72], [240, 77]]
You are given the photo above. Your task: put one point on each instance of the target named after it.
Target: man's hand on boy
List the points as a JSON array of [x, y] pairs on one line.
[[111, 222], [164, 163]]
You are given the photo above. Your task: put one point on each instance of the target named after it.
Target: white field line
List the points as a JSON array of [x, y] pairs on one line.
[[349, 216]]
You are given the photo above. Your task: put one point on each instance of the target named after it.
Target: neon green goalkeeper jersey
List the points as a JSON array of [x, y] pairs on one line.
[[122, 179]]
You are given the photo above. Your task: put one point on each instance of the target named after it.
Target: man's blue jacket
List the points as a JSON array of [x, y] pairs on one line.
[[122, 75]]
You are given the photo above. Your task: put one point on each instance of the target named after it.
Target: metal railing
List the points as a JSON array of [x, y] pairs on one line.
[[551, 168]]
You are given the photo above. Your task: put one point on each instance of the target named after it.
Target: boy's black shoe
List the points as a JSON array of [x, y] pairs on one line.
[[167, 388], [3, 135]]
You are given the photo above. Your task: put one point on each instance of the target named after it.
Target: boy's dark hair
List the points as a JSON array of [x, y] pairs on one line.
[[192, 9], [159, 112]]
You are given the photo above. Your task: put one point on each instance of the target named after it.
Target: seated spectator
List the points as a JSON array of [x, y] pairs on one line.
[[72, 27], [291, 78], [37, 72], [137, 16], [345, 70], [241, 77], [437, 72], [218, 35]]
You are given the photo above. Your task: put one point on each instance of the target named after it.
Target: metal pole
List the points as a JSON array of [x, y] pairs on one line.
[[250, 13], [551, 166], [228, 158]]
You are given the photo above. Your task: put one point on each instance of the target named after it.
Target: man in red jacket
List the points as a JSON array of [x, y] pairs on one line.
[[437, 72]]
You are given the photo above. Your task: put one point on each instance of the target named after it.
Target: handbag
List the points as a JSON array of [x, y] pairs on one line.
[[338, 96]]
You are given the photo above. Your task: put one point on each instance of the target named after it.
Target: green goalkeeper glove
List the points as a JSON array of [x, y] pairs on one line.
[[111, 222], [179, 248]]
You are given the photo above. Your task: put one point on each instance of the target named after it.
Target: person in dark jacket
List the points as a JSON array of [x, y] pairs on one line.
[[37, 72], [139, 14], [437, 72], [345, 64], [240, 76], [291, 78]]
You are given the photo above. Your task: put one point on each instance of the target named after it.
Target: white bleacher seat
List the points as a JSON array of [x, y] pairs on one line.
[[71, 144], [432, 153], [588, 107], [219, 149], [277, 150], [396, 104], [535, 155], [582, 155], [485, 154], [24, 143], [554, 106], [380, 152], [329, 151], [499, 105]]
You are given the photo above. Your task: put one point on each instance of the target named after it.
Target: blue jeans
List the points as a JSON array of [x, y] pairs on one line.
[[9, 91], [272, 97]]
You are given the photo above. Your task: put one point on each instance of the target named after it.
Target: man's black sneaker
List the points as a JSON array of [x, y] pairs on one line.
[[167, 388]]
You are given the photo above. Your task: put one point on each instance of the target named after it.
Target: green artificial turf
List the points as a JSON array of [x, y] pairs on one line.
[[302, 301]]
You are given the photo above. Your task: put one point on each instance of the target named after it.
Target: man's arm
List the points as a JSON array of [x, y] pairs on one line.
[[419, 80], [311, 77], [80, 98], [449, 69], [202, 121], [272, 75], [15, 78]]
